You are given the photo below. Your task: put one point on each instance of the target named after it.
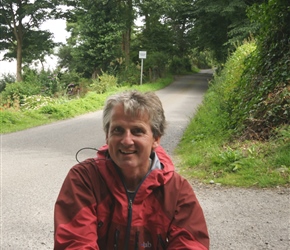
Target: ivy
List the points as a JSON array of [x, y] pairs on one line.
[[262, 100]]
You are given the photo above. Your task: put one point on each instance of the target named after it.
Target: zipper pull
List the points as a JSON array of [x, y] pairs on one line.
[[130, 204]]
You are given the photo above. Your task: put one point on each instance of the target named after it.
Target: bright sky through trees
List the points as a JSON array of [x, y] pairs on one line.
[[57, 27]]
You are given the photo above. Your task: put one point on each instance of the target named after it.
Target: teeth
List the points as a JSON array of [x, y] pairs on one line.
[[127, 153]]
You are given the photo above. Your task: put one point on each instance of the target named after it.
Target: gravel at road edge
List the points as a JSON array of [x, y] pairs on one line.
[[245, 218]]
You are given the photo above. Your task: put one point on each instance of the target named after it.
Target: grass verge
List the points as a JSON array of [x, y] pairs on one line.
[[237, 163]]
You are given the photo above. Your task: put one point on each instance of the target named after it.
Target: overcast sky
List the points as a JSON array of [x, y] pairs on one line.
[[57, 27]]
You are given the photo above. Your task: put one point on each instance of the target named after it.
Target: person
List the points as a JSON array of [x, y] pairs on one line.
[[129, 196]]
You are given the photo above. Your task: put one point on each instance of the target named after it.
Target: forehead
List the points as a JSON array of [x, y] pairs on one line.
[[119, 113]]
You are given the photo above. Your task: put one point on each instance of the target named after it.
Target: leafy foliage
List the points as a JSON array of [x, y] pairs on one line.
[[18, 91], [6, 78], [44, 83], [95, 40], [180, 18], [34, 102], [219, 25], [156, 66], [47, 81], [103, 83], [180, 65], [129, 75], [258, 112]]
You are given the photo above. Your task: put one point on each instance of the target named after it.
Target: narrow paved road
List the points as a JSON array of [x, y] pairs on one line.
[[35, 162]]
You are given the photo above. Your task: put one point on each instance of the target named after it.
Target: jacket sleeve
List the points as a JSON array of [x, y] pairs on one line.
[[188, 229], [75, 216]]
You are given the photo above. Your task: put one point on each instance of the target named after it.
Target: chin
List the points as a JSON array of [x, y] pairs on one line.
[[127, 164]]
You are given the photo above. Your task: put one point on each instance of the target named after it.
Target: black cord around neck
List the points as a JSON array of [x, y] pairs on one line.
[[86, 148]]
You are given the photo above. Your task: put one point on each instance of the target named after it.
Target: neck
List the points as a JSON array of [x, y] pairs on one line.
[[132, 180], [132, 185]]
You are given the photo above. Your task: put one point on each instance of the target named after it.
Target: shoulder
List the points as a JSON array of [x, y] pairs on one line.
[[86, 165], [86, 171], [89, 175], [180, 183], [91, 164]]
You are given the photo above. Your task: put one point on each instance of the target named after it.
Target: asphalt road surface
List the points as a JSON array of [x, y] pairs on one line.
[[35, 162]]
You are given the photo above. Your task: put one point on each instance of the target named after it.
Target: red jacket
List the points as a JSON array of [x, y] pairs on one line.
[[93, 210]]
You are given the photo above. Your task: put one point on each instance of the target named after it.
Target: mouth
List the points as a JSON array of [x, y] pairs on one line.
[[130, 152]]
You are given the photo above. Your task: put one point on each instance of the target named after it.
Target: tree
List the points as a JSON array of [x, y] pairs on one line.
[[128, 15], [219, 25], [19, 28], [155, 35], [96, 28], [180, 18]]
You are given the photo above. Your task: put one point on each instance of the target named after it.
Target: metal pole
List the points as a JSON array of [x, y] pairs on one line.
[[141, 71]]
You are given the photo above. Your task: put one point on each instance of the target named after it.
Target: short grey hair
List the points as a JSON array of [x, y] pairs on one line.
[[136, 104]]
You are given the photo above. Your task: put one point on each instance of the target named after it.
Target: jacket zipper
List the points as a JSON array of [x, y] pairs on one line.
[[130, 204], [129, 223], [160, 242]]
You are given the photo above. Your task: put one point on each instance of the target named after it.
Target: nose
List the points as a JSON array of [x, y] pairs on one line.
[[127, 139]]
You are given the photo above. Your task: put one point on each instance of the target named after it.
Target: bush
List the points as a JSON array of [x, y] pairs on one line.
[[180, 65], [130, 75], [155, 66], [74, 84], [228, 79], [47, 81], [103, 83], [18, 90], [36, 102], [69, 77], [202, 60], [6, 78]]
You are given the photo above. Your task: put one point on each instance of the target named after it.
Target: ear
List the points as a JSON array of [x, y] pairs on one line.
[[156, 142]]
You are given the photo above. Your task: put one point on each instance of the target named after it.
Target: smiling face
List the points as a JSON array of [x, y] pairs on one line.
[[130, 140]]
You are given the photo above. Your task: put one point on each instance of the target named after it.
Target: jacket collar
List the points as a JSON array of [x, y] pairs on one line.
[[161, 172]]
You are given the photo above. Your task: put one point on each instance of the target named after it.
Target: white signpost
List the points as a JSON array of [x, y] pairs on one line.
[[142, 55]]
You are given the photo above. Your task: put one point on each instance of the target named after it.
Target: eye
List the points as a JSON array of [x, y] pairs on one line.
[[137, 131], [117, 130]]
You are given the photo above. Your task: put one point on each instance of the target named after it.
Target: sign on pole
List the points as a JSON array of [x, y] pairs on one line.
[[142, 55]]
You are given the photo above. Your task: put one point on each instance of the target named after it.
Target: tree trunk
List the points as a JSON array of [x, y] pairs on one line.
[[18, 32], [127, 34], [126, 45], [19, 61]]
